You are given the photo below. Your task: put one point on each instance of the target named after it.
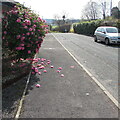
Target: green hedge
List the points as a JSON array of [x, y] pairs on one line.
[[87, 28], [63, 28]]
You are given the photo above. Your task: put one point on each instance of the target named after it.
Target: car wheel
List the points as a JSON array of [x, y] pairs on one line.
[[95, 39], [107, 42]]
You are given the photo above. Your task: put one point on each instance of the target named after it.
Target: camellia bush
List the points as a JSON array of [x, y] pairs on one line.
[[22, 32]]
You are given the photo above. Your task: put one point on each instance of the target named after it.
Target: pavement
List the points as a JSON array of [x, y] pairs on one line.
[[75, 95]]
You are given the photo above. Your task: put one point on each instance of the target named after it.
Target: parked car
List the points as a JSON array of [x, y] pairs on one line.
[[107, 34]]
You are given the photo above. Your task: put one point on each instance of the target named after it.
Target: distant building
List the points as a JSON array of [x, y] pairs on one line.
[[115, 12]]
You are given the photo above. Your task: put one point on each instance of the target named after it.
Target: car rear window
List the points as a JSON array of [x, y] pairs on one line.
[[111, 30]]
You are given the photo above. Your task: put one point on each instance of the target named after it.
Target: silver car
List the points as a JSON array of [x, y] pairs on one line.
[[107, 34]]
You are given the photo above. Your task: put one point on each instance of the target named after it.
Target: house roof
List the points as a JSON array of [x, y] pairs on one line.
[[9, 2]]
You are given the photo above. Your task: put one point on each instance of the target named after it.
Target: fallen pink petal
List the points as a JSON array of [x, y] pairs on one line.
[[60, 68], [52, 66], [44, 71], [36, 70], [39, 73], [48, 62], [58, 71], [38, 85], [39, 65], [33, 72], [42, 63], [62, 75], [72, 66]]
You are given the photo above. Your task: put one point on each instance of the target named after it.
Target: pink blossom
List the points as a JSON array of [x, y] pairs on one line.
[[21, 44], [29, 51], [23, 24], [32, 33], [21, 59], [15, 12], [39, 37], [5, 32], [28, 22], [18, 20], [28, 33], [19, 48], [25, 27], [39, 19], [34, 26], [44, 20], [36, 50], [22, 38], [35, 21], [25, 16], [36, 70], [22, 48], [33, 72], [30, 29], [42, 59], [28, 45], [18, 36]]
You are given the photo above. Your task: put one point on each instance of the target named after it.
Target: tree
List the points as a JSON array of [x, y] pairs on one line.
[[105, 8], [57, 19], [60, 19], [90, 12]]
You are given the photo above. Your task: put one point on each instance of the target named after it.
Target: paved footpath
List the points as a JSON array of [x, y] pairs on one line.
[[73, 96]]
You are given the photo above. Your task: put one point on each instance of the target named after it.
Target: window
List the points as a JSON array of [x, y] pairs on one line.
[[111, 30]]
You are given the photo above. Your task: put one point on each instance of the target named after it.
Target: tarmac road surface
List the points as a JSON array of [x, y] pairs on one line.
[[75, 95]]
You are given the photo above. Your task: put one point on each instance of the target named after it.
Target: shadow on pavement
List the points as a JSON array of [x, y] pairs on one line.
[[11, 96], [33, 81], [111, 45]]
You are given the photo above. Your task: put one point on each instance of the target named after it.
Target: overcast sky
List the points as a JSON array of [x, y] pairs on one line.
[[48, 8]]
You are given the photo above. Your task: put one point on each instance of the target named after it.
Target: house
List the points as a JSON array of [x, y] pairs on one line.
[[115, 12], [6, 5]]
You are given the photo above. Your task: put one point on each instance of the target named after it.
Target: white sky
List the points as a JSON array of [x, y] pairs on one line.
[[48, 8]]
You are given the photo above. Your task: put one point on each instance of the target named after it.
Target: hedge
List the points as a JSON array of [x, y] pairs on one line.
[[89, 27]]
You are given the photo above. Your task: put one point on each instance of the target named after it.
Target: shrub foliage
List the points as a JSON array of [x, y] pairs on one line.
[[22, 32]]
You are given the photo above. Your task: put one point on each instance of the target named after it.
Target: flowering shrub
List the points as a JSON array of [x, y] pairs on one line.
[[23, 32]]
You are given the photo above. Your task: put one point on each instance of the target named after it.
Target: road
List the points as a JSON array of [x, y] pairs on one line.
[[99, 59], [74, 95]]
